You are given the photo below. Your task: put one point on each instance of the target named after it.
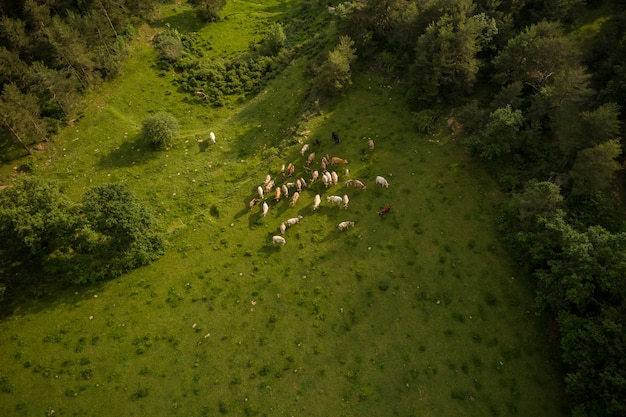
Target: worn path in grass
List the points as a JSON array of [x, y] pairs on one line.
[[415, 313]]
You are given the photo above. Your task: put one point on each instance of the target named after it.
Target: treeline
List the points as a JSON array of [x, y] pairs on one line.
[[542, 109], [50, 53]]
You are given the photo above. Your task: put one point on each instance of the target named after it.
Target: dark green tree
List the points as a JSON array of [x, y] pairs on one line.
[[499, 135], [595, 167], [336, 74], [208, 10]]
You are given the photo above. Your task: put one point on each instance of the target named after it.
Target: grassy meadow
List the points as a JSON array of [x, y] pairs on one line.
[[417, 313]]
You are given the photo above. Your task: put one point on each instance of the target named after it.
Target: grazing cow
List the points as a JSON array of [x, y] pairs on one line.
[[304, 149], [383, 182], [327, 179], [370, 143], [293, 220], [285, 190], [253, 203], [315, 176], [291, 169], [303, 182], [268, 178], [277, 194], [260, 191], [265, 209], [294, 199], [345, 225], [347, 173], [317, 142], [335, 137], [283, 227], [346, 200], [356, 183], [323, 166], [298, 185], [334, 177], [335, 160], [384, 210], [269, 186], [212, 137], [278, 240], [310, 158], [316, 201], [334, 199]]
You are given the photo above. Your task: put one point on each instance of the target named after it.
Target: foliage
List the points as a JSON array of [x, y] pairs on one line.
[[208, 10], [273, 40], [169, 45], [595, 167], [499, 135], [160, 130], [335, 74]]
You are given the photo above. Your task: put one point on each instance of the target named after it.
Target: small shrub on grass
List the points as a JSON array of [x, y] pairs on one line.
[[160, 130]]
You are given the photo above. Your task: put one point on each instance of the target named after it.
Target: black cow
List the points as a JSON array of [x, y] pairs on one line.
[[336, 137]]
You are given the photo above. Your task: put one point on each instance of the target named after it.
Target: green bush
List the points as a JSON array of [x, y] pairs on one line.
[[160, 130]]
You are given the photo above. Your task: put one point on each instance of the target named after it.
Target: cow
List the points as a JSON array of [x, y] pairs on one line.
[[316, 201], [304, 149], [265, 209], [334, 177], [315, 176], [384, 210], [293, 220], [283, 227], [285, 190], [277, 194], [370, 144], [382, 181], [346, 200], [253, 202], [356, 183], [294, 199], [310, 158], [278, 240], [345, 225], [291, 169], [335, 136], [335, 160], [260, 191], [334, 199], [212, 137]]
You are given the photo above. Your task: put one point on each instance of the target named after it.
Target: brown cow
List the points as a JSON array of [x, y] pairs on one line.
[[384, 210]]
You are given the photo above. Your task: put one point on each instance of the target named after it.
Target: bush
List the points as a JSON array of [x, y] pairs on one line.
[[160, 130]]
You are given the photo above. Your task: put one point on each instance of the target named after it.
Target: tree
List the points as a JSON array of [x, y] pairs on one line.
[[446, 54], [208, 10], [273, 40], [160, 130], [335, 74], [122, 232], [594, 167], [535, 55], [499, 133], [20, 116], [37, 220]]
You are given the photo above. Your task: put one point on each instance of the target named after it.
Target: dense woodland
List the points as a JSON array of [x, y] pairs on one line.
[[538, 103]]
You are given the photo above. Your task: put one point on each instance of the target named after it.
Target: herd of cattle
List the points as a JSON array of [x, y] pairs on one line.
[[293, 186]]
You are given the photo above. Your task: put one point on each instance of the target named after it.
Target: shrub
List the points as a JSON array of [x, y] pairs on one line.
[[160, 130]]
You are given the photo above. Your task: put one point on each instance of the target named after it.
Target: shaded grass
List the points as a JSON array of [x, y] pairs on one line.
[[414, 313]]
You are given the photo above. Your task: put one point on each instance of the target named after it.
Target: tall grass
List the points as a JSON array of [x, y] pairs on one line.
[[415, 313]]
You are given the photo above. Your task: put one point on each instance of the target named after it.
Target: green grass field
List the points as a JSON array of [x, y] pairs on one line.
[[418, 313]]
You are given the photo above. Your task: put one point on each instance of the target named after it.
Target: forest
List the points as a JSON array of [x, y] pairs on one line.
[[534, 90]]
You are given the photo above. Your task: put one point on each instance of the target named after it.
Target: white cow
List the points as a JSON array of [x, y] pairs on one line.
[[293, 220], [278, 239], [269, 186], [315, 176], [285, 190], [310, 158], [334, 199], [334, 177], [283, 227], [265, 209], [346, 200], [316, 201], [260, 191], [345, 225], [212, 137], [382, 181], [298, 185], [370, 143], [268, 178], [294, 199], [303, 182], [358, 184], [304, 149]]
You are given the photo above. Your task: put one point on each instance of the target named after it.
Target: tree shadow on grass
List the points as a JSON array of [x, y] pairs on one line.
[[133, 151], [186, 21]]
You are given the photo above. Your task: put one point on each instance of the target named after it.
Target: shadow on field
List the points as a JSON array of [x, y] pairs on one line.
[[131, 152]]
